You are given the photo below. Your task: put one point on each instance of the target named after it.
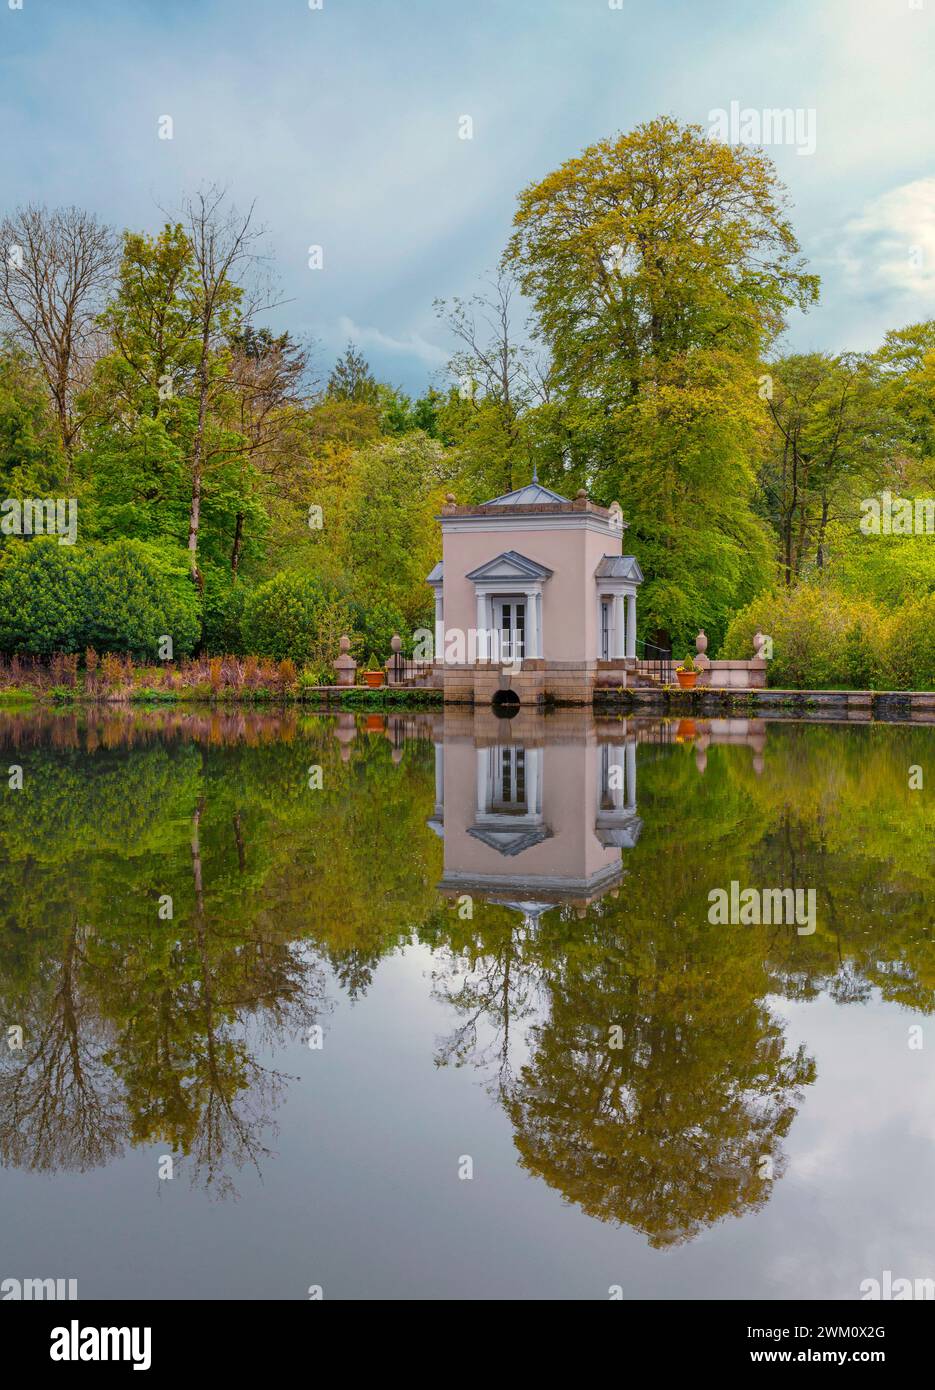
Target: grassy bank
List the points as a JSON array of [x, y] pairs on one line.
[[219, 679]]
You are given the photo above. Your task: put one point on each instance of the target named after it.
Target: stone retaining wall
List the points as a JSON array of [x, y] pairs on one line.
[[847, 705]]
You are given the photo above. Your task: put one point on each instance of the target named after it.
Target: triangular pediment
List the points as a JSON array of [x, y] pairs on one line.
[[510, 565], [510, 842]]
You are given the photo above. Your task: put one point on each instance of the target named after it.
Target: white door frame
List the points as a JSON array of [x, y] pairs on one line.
[[488, 595]]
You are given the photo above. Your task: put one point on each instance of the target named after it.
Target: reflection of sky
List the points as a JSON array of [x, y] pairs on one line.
[[861, 1151], [343, 124], [364, 1197]]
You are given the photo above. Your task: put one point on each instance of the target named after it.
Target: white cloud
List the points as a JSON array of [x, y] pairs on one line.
[[410, 344], [890, 246]]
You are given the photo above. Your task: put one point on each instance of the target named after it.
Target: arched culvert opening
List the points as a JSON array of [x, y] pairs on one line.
[[505, 703]]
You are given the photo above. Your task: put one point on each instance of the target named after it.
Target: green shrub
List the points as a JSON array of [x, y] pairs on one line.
[[376, 624], [910, 645], [115, 598], [824, 638], [311, 678], [137, 593], [296, 616], [223, 613], [42, 599]]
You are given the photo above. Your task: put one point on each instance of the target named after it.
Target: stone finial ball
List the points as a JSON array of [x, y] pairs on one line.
[[345, 644], [582, 494], [396, 642], [450, 499]]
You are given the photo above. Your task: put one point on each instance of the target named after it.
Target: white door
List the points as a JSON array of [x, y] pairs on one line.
[[509, 782], [510, 623]]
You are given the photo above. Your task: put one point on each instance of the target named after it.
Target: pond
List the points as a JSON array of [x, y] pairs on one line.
[[436, 1005]]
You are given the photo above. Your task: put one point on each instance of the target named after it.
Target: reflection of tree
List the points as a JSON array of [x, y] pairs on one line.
[[60, 1104], [842, 820], [666, 1131], [498, 991], [192, 1080], [661, 1123], [145, 1030]]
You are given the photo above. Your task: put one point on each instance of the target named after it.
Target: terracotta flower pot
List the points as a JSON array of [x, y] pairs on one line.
[[374, 678], [686, 679]]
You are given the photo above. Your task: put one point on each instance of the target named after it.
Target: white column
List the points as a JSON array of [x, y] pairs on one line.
[[618, 755], [618, 640], [483, 763], [631, 624], [631, 775], [532, 781], [481, 632], [532, 624], [439, 626], [439, 778], [540, 650]]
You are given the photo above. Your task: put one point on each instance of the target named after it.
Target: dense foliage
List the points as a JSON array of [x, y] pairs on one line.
[[124, 597], [294, 615]]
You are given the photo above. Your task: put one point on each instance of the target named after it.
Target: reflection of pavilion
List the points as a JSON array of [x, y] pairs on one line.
[[532, 819], [537, 813]]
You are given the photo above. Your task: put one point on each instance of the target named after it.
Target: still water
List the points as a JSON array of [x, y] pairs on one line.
[[431, 1006]]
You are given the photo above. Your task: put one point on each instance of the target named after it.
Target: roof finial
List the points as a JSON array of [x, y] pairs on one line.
[[535, 475]]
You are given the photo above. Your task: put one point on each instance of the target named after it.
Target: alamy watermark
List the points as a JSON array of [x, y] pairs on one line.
[[38, 516], [774, 125], [754, 907], [16, 1290], [887, 515], [453, 646], [77, 1343], [888, 1288]]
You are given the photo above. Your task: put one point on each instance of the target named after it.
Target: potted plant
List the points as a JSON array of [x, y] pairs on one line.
[[686, 674], [374, 678]]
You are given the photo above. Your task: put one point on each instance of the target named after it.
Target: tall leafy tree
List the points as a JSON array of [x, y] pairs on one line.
[[31, 459], [223, 248], [653, 244], [660, 265], [498, 378], [266, 405], [830, 440]]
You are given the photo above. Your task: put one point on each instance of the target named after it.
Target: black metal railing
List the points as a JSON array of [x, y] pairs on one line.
[[656, 662]]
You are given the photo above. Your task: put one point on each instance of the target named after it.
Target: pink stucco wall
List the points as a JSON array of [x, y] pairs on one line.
[[570, 619]]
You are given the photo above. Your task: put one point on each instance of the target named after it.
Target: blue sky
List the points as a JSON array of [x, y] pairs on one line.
[[342, 123]]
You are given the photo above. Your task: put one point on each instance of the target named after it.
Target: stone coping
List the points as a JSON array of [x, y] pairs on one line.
[[573, 508]]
